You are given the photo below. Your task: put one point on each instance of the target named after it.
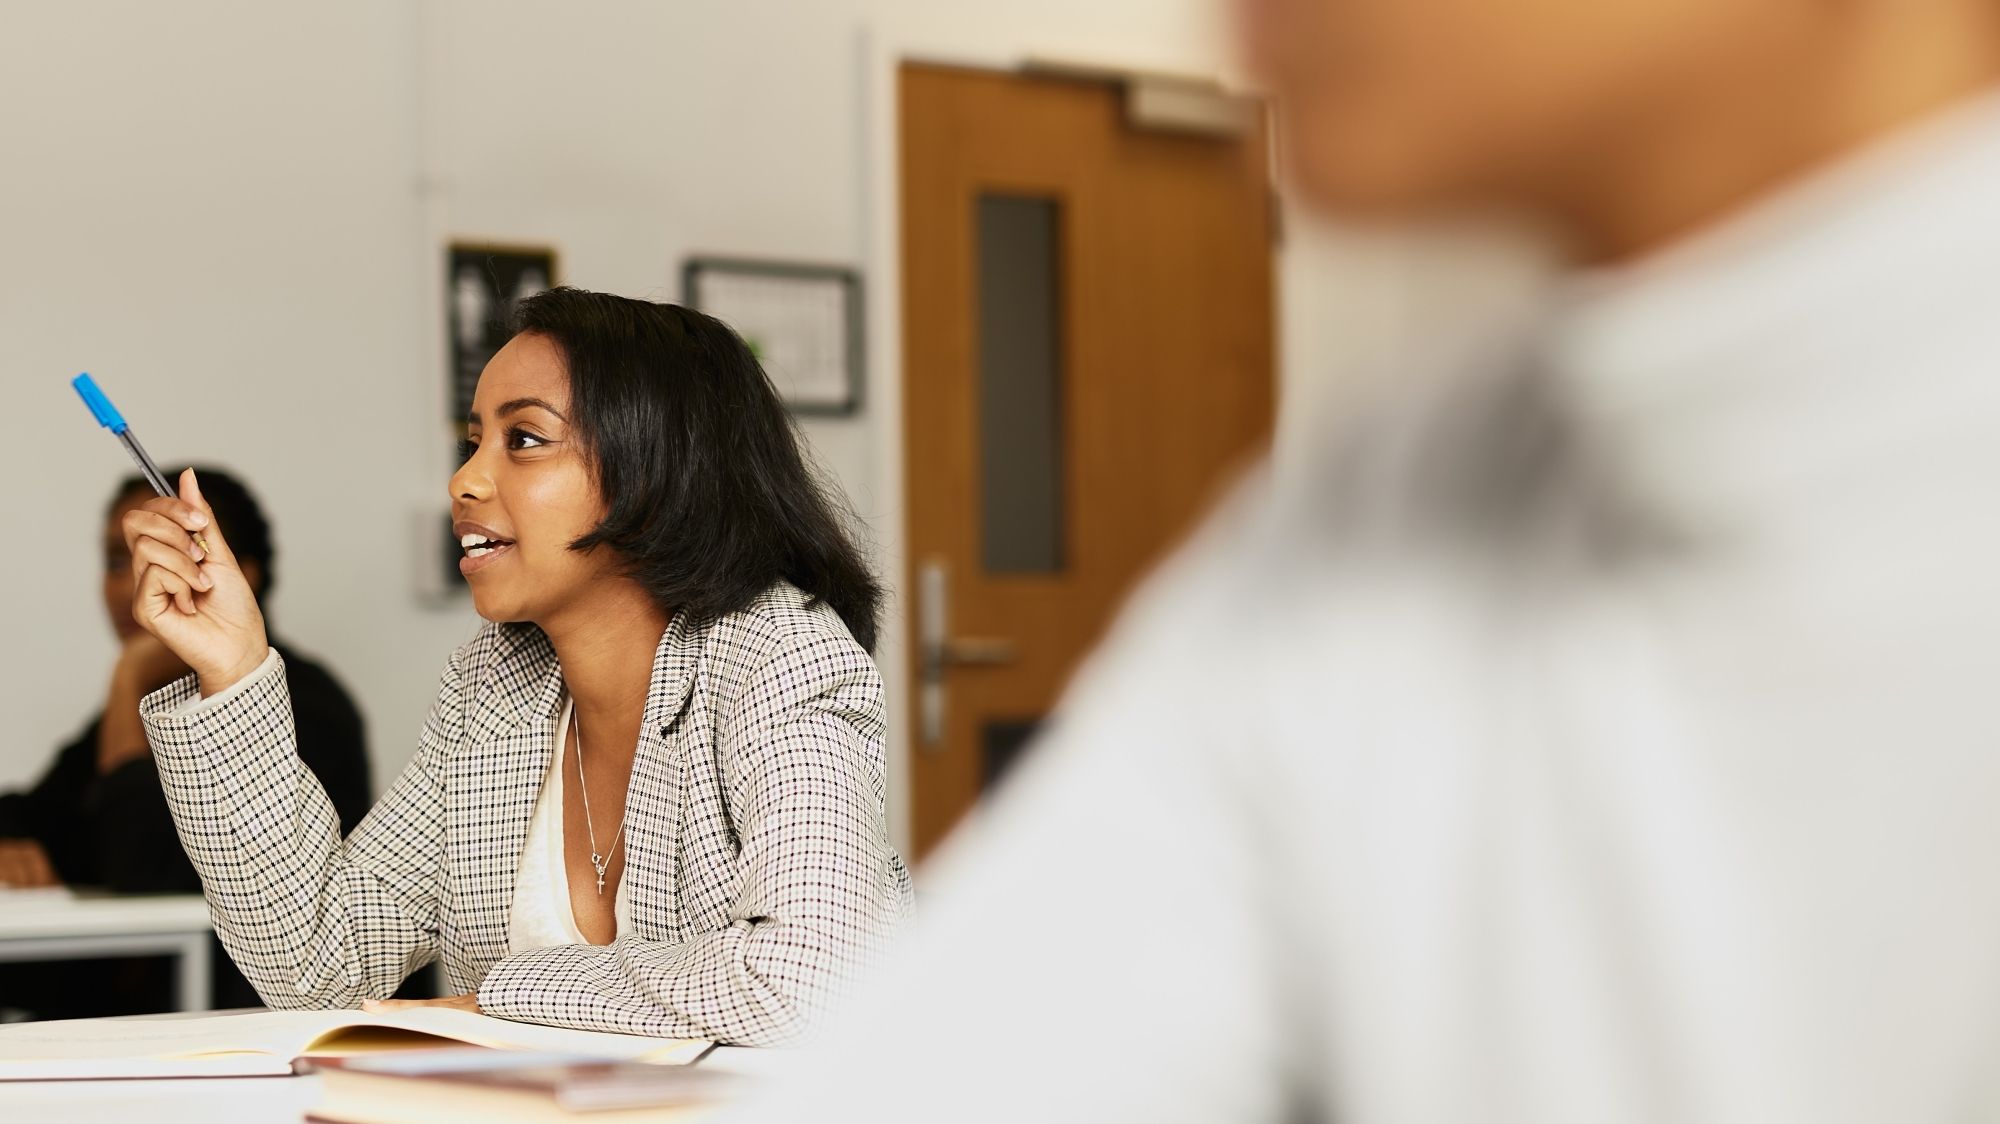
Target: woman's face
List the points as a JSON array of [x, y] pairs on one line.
[[526, 491]]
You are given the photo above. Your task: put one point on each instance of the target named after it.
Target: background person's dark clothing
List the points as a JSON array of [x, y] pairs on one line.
[[115, 831]]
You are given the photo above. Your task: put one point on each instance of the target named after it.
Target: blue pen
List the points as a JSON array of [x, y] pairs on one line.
[[108, 416]]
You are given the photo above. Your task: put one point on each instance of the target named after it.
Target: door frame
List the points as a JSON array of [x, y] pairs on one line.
[[880, 56]]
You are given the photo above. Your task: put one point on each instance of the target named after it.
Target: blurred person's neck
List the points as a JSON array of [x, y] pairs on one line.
[[1724, 141]]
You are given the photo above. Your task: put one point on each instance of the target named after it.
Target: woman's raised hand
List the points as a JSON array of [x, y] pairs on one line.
[[199, 605]]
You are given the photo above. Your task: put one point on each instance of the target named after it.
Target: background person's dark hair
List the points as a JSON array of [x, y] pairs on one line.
[[236, 513], [707, 493]]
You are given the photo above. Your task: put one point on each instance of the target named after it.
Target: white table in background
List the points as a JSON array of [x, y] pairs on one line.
[[61, 925]]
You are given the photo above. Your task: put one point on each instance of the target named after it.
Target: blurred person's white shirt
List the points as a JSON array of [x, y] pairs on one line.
[[1608, 731]]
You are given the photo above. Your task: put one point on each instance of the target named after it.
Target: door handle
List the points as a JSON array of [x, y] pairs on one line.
[[978, 651], [939, 651]]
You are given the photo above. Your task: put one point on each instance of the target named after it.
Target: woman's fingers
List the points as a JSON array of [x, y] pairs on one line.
[[183, 513], [198, 508], [153, 552], [24, 863], [157, 591], [196, 600], [156, 584], [147, 523], [40, 873], [467, 1002], [185, 522]]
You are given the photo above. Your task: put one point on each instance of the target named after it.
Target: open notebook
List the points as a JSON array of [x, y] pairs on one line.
[[269, 1042]]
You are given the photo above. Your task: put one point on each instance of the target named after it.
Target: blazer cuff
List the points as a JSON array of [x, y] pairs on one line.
[[516, 986], [564, 985], [256, 710], [189, 701]]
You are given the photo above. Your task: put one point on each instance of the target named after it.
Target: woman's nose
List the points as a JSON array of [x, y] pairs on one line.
[[470, 482]]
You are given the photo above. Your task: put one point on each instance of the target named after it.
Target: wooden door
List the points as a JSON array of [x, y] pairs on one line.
[[1087, 356]]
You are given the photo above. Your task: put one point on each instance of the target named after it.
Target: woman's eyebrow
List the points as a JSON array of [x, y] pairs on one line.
[[515, 406]]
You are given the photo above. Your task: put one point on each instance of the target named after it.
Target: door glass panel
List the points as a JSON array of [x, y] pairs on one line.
[[1019, 311]]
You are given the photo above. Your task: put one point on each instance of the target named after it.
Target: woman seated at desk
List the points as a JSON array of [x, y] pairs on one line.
[[97, 818], [649, 796]]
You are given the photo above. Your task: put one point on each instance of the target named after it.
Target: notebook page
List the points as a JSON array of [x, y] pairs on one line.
[[264, 1042]]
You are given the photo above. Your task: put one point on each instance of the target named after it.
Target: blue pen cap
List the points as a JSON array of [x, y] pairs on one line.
[[101, 408]]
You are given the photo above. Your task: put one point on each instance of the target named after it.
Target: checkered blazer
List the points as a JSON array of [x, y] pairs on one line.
[[756, 845]]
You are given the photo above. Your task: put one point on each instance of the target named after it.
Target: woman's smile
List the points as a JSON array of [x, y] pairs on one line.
[[481, 546]]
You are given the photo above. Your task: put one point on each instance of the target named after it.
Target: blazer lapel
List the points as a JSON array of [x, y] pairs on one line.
[[656, 801], [493, 786]]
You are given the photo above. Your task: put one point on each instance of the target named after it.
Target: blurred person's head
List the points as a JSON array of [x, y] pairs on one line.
[[237, 516], [1624, 121], [620, 441]]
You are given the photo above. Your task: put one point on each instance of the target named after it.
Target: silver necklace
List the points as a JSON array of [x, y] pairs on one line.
[[601, 862]]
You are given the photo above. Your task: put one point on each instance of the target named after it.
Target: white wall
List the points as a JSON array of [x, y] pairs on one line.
[[211, 207], [233, 214]]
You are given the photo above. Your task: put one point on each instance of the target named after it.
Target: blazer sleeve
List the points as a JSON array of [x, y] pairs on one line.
[[138, 848], [311, 920], [332, 742], [804, 789]]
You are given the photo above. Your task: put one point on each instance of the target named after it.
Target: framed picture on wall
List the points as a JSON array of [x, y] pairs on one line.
[[483, 283], [802, 321]]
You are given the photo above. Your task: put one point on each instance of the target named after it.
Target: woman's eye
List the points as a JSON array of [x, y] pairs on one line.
[[522, 439], [465, 450]]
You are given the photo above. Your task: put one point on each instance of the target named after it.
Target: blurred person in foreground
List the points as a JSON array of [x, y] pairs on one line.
[[98, 816], [1603, 728]]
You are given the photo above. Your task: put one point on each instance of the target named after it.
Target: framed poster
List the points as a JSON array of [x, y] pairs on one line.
[[803, 322], [483, 283]]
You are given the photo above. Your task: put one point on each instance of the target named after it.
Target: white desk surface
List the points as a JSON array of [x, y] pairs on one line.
[[38, 914], [251, 1100], [186, 1100]]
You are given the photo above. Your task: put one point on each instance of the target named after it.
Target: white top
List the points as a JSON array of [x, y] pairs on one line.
[[1710, 837], [541, 916]]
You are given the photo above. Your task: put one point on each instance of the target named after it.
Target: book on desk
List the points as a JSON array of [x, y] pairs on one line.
[[492, 1087]]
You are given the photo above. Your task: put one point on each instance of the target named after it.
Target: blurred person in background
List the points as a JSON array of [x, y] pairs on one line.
[[98, 817], [1602, 727]]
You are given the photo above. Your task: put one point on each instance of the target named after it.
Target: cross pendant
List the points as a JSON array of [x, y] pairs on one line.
[[600, 883], [597, 861]]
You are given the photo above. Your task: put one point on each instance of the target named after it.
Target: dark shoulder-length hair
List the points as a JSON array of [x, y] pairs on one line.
[[709, 499]]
